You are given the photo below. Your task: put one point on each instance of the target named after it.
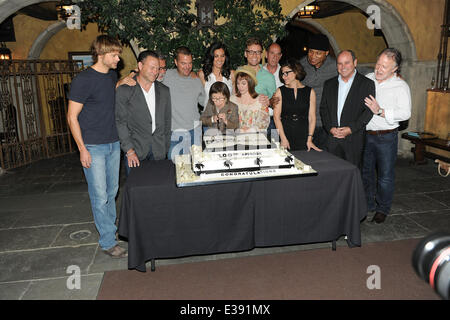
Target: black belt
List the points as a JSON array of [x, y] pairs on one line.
[[293, 117], [378, 132]]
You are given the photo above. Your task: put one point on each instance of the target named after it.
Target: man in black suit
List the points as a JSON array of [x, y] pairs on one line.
[[344, 114], [143, 114]]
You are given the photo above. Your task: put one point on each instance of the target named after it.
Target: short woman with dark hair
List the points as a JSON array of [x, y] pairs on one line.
[[220, 112], [295, 113], [216, 67], [253, 116]]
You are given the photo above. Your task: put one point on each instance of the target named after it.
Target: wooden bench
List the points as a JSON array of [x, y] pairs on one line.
[[420, 154]]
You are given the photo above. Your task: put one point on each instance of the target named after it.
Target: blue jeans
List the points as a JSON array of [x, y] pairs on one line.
[[182, 140], [103, 182], [380, 154]]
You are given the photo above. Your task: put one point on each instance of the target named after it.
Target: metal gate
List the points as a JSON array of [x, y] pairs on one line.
[[33, 107]]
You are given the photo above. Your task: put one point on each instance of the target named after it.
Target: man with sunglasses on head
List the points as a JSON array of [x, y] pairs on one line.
[[273, 66], [162, 67]]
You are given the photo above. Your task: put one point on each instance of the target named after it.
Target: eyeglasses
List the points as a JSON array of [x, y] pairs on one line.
[[253, 53], [286, 73], [162, 68], [218, 99]]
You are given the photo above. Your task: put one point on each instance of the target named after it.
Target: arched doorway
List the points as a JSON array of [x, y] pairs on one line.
[[294, 44], [8, 7], [394, 28]]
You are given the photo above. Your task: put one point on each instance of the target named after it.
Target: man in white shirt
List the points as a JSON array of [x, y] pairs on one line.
[[143, 114], [273, 58], [392, 105]]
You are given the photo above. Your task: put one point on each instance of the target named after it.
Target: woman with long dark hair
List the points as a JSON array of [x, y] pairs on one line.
[[216, 67]]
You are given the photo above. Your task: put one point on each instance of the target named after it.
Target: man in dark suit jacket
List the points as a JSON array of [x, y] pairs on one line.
[[143, 114], [344, 114]]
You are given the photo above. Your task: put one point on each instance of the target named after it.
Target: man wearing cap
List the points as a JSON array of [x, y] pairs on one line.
[[319, 67]]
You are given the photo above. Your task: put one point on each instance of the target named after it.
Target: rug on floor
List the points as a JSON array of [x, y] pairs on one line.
[[380, 270]]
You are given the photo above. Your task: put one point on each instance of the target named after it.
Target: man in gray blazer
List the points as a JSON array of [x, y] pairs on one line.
[[143, 114]]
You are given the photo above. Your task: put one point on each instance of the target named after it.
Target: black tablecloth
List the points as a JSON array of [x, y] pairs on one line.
[[161, 220]]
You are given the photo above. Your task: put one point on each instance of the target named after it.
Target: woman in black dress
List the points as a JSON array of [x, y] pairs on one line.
[[295, 113]]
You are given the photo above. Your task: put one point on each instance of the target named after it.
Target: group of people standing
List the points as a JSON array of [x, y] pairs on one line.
[[315, 103]]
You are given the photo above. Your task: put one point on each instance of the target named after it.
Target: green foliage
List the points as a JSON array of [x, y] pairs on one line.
[[164, 25]]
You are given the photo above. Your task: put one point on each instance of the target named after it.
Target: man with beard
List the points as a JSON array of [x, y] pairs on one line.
[[319, 67], [186, 93]]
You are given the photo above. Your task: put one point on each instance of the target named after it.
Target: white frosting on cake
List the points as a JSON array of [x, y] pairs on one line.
[[243, 165], [212, 162], [231, 139]]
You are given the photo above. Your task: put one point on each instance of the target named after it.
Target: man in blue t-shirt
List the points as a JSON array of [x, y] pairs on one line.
[[92, 123]]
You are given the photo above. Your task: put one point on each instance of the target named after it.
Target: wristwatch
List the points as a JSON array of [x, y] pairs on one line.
[[380, 111]]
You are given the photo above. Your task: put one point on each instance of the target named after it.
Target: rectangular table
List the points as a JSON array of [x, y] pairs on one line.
[[161, 220]]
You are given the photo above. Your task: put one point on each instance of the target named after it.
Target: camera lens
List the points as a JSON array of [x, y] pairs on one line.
[[431, 261]]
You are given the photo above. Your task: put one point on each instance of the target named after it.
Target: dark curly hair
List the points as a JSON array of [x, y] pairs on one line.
[[209, 60]]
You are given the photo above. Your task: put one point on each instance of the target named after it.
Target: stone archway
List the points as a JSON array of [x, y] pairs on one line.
[[8, 7], [394, 28], [43, 38]]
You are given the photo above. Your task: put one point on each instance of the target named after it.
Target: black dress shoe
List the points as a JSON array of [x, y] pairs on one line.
[[379, 217]]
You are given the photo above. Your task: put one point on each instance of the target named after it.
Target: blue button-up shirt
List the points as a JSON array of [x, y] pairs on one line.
[[344, 88]]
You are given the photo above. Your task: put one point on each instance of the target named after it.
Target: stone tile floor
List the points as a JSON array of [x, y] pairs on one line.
[[46, 226]]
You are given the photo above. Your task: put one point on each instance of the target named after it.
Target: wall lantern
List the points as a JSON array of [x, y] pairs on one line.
[[64, 9], [205, 13], [70, 13], [5, 53], [308, 11]]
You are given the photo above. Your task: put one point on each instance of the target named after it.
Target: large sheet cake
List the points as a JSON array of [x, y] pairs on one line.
[[236, 161]]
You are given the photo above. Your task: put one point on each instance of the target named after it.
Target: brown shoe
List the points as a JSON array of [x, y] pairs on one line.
[[116, 252], [379, 217]]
